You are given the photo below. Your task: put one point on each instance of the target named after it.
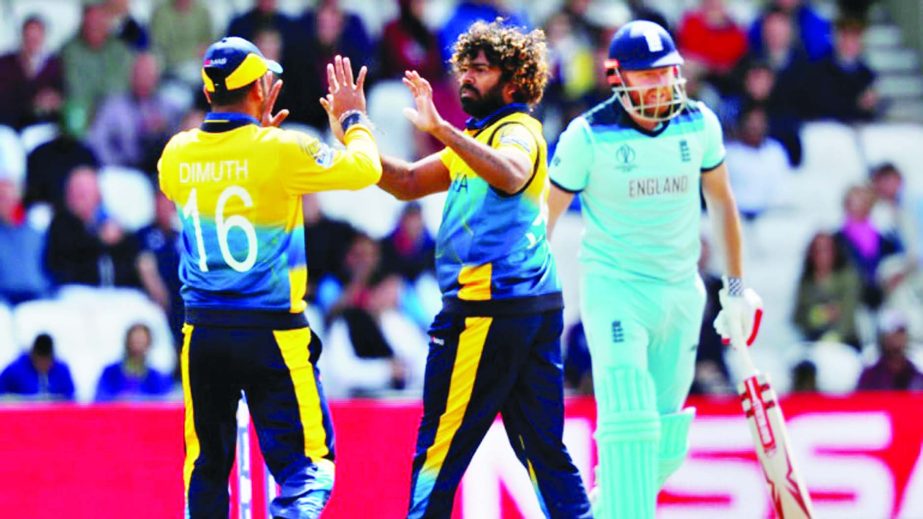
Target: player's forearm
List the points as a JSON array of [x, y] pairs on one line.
[[499, 171], [362, 152], [558, 201], [728, 225], [397, 178]]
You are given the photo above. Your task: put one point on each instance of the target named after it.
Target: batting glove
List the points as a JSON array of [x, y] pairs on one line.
[[741, 309]]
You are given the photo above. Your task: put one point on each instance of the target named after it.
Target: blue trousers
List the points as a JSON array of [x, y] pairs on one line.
[[276, 370], [478, 367]]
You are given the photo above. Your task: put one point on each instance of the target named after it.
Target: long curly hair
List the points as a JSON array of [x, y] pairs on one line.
[[521, 56]]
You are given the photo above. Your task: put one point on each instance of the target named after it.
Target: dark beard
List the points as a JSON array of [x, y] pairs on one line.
[[484, 104]]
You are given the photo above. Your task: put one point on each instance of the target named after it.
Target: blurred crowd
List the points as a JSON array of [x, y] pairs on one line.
[[111, 97]]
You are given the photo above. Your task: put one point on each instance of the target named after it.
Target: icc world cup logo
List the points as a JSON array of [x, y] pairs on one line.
[[625, 157]]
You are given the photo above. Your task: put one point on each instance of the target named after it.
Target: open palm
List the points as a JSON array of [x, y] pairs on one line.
[[425, 117]]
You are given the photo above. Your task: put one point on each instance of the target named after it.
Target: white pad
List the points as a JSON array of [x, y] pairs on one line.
[[674, 442], [627, 436]]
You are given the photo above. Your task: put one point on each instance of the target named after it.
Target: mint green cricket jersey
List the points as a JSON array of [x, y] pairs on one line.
[[639, 189]]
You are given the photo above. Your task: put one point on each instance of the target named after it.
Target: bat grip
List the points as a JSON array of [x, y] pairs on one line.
[[740, 345]]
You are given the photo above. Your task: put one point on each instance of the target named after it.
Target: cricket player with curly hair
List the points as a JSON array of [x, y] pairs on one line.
[[495, 346]]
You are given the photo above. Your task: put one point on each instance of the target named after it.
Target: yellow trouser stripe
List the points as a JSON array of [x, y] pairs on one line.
[[192, 441], [470, 346], [293, 344]]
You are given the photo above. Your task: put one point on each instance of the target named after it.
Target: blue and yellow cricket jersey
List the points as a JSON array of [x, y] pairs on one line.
[[237, 187], [492, 254]]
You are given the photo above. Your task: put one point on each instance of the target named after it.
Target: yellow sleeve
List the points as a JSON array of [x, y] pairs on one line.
[[445, 156], [164, 171], [515, 136], [312, 165]]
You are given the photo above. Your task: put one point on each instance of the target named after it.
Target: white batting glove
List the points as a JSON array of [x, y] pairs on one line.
[[741, 311]]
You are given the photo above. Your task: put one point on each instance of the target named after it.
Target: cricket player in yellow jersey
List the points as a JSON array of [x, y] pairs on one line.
[[495, 347], [237, 182]]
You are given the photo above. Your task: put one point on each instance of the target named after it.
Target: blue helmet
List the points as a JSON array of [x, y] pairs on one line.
[[644, 45]]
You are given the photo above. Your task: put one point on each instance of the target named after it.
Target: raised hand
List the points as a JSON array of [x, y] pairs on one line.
[[426, 118], [343, 93], [267, 118]]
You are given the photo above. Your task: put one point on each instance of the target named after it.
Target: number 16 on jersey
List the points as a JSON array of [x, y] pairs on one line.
[[223, 227]]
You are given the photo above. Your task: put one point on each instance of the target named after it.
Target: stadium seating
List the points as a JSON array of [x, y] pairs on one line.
[[371, 209], [838, 367], [128, 196], [832, 162], [9, 348], [12, 155], [395, 134], [899, 144], [36, 135], [88, 326], [61, 20]]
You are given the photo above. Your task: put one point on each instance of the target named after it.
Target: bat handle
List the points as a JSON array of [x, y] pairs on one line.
[[740, 345]]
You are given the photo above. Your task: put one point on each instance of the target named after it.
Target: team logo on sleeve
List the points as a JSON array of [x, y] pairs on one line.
[[320, 152]]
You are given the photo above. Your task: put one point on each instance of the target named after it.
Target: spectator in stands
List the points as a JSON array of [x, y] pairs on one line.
[[829, 292], [757, 164], [131, 128], [158, 263], [181, 30], [125, 27], [264, 15], [407, 44], [578, 366], [779, 48], [270, 43], [710, 36], [811, 29], [374, 348], [894, 371], [804, 377], [902, 282], [38, 374], [85, 246], [858, 9], [132, 378], [641, 11], [864, 244], [888, 213], [774, 76], [841, 83], [96, 65], [32, 89], [573, 71], [326, 241], [466, 13], [318, 36], [410, 249], [348, 286], [21, 247], [601, 89], [581, 26], [49, 164]]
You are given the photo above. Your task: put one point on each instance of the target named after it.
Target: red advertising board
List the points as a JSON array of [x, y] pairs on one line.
[[861, 456]]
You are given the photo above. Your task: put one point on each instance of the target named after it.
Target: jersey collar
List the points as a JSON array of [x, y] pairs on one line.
[[216, 122], [503, 111]]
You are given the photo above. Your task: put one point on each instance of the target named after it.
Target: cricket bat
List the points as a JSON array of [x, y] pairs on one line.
[[787, 490]]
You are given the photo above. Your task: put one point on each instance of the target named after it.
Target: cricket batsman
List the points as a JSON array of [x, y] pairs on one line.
[[637, 161]]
